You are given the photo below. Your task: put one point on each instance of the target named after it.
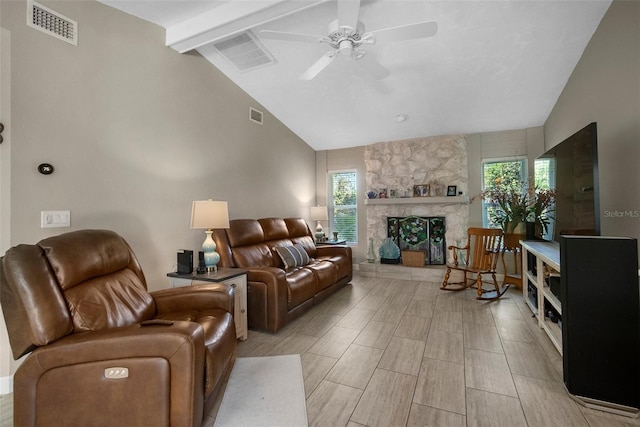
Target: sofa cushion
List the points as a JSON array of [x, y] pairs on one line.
[[292, 256], [326, 273], [111, 301], [253, 256], [100, 277], [301, 286], [243, 232], [274, 228], [342, 264]]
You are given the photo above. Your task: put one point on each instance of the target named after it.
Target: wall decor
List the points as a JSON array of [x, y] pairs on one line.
[[421, 190], [451, 190]]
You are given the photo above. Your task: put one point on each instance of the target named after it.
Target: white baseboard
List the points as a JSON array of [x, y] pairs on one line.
[[6, 384]]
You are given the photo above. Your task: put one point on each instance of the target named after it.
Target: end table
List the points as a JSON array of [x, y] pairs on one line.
[[234, 277]]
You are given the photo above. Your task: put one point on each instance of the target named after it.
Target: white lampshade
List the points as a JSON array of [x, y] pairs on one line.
[[318, 213], [209, 214]]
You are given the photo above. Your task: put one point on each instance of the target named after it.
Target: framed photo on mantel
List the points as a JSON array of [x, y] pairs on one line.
[[421, 190], [451, 190]]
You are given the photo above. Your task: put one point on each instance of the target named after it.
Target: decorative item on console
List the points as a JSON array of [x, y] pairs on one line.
[[421, 190], [371, 255], [389, 252]]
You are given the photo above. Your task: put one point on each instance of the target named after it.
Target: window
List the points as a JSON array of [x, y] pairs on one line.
[[508, 174], [343, 210], [545, 174]]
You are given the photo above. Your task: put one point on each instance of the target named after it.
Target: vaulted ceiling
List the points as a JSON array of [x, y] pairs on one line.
[[492, 65]]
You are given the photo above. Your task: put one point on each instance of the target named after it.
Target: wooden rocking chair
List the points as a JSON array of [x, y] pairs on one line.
[[479, 257]]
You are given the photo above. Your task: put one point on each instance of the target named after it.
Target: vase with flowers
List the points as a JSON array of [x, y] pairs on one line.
[[519, 205]]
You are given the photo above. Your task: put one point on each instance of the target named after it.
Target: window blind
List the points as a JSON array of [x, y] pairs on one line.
[[343, 210]]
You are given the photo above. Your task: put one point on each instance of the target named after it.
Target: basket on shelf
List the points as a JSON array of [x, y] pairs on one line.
[[413, 258]]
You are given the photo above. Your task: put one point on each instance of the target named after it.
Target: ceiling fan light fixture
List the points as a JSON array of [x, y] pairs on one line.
[[347, 35], [345, 47], [401, 118]]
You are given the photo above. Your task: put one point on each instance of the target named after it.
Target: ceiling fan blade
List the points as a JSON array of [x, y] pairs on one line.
[[292, 37], [319, 65], [348, 11], [406, 32], [372, 66]]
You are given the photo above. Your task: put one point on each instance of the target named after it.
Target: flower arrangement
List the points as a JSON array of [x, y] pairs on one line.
[[540, 207], [520, 205]]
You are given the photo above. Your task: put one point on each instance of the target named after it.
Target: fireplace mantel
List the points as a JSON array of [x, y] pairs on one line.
[[451, 200]]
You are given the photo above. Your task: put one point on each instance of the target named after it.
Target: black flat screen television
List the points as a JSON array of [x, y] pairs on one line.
[[571, 167]]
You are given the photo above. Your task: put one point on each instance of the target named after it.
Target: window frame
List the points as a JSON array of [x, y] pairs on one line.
[[351, 240], [523, 160]]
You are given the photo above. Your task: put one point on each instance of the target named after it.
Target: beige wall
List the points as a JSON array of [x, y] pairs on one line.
[[136, 131], [605, 88]]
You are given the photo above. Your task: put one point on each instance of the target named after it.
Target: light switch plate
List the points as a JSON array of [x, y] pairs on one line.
[[55, 219]]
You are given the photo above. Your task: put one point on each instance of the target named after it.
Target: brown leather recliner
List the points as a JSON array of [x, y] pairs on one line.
[[104, 351]]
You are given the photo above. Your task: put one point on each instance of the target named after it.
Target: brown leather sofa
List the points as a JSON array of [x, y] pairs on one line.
[[103, 350], [276, 295]]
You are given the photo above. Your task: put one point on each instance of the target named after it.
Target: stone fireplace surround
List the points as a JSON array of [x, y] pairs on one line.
[[439, 161]]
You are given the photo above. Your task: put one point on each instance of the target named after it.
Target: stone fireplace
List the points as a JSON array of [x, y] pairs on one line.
[[395, 167]]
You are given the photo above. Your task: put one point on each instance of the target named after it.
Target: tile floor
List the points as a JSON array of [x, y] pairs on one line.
[[385, 352]]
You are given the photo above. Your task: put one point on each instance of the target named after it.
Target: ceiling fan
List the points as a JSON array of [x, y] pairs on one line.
[[347, 37]]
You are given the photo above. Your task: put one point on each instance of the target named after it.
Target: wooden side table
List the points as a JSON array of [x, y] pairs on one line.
[[234, 277], [511, 243], [332, 242]]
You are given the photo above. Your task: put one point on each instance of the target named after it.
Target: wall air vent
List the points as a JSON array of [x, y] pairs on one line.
[[245, 51], [51, 22], [255, 115]]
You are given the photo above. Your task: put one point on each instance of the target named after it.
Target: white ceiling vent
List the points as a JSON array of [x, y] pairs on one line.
[[255, 115], [51, 22], [245, 51]]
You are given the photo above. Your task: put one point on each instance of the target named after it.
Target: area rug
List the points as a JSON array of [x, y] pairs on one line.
[[264, 391]]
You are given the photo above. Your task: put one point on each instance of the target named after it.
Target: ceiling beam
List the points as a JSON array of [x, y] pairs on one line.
[[230, 18]]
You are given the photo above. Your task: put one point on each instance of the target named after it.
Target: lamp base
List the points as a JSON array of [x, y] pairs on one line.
[[319, 232], [211, 257]]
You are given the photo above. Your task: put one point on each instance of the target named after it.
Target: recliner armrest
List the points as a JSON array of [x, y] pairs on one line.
[[116, 343], [200, 297], [76, 365], [333, 250]]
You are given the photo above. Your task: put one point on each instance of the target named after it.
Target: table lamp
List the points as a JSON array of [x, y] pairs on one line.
[[318, 213], [210, 214]]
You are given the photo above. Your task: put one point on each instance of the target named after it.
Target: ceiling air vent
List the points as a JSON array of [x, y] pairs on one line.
[[51, 22], [245, 51], [255, 115]]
